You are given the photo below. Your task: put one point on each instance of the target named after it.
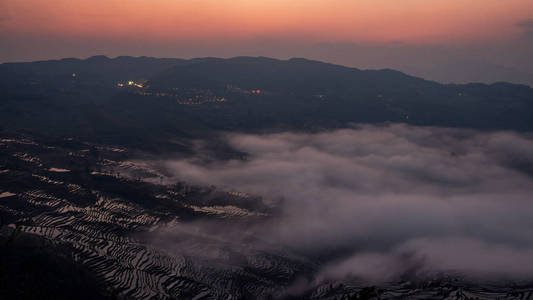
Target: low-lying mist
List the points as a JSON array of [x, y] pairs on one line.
[[380, 202]]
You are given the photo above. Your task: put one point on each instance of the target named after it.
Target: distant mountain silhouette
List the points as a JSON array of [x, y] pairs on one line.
[[294, 75], [99, 68], [198, 96]]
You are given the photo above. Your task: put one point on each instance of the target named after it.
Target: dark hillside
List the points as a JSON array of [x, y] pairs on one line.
[[146, 101]]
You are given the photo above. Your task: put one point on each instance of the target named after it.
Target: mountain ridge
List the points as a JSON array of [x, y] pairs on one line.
[[200, 59], [140, 99]]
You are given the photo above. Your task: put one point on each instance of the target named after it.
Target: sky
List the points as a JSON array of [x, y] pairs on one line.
[[483, 38]]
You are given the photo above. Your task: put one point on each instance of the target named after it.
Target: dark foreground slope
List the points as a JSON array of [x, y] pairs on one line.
[[32, 267], [134, 100], [83, 220]]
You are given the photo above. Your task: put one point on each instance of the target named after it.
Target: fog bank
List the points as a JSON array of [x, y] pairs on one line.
[[377, 202]]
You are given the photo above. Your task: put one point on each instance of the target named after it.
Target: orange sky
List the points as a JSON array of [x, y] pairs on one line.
[[375, 21]]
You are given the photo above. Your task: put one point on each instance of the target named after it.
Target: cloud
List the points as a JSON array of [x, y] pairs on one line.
[[429, 256], [378, 202]]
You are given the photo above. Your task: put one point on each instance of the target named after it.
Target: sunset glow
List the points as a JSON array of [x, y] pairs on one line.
[[376, 21], [419, 37]]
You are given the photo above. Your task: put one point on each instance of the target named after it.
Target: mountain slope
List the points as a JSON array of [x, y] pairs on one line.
[[173, 98]]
